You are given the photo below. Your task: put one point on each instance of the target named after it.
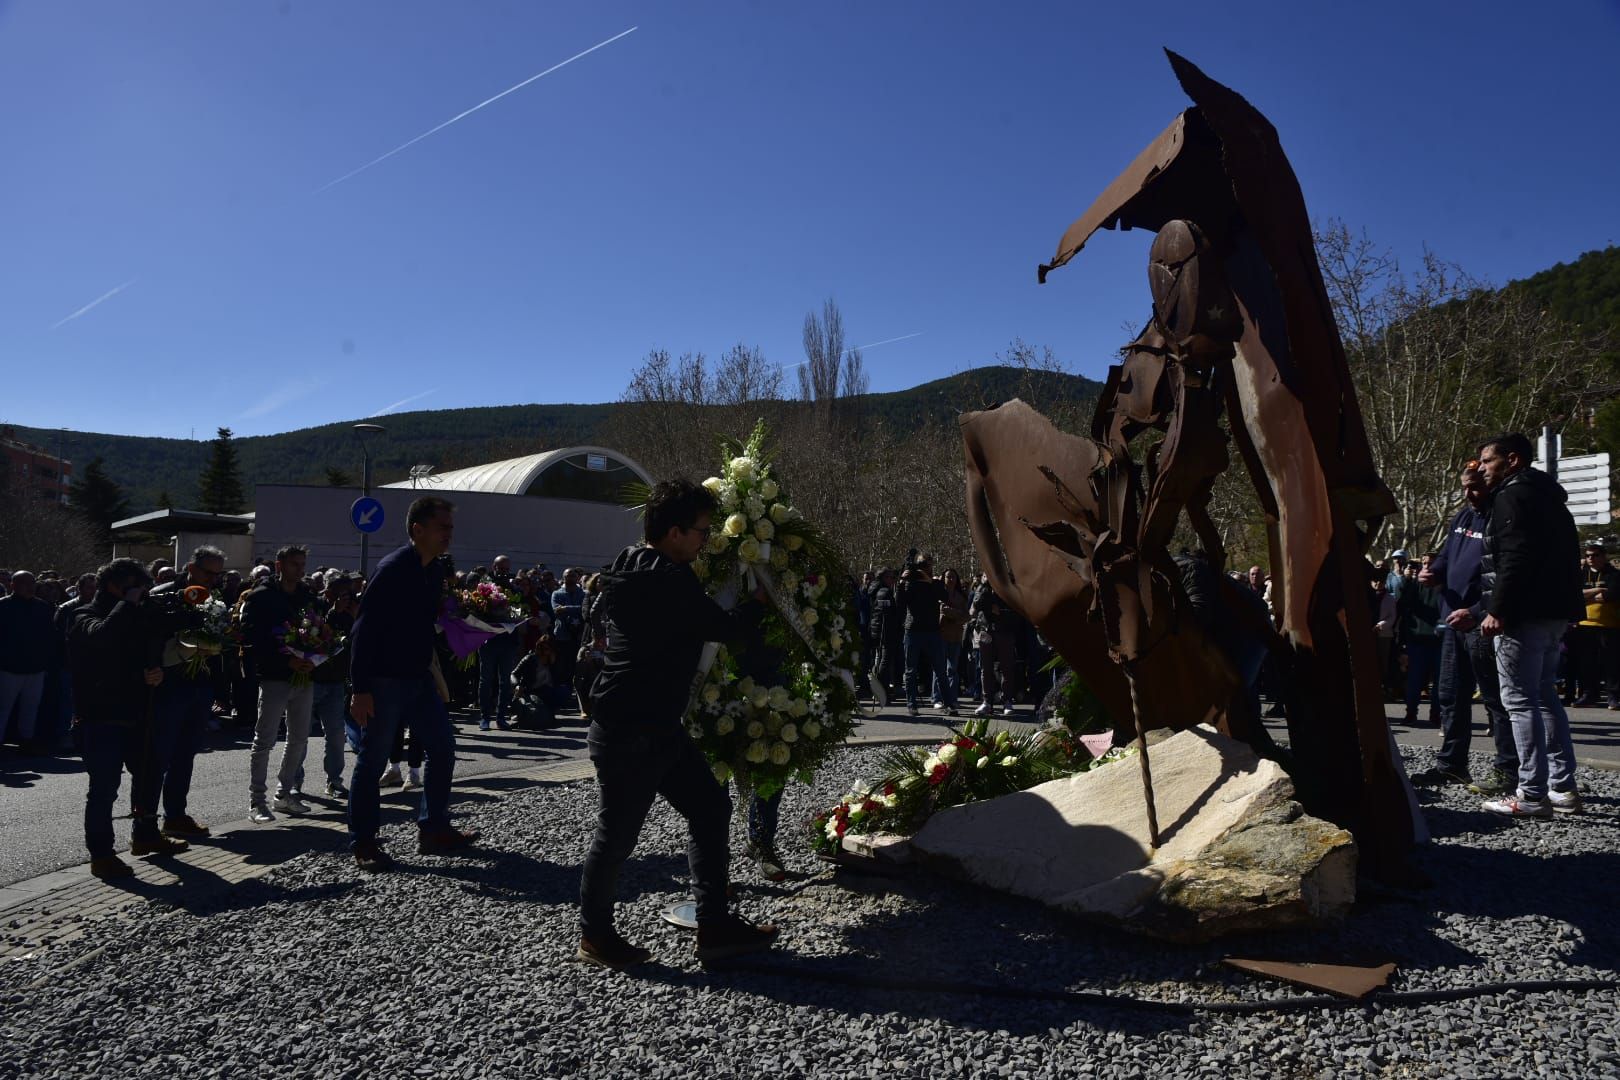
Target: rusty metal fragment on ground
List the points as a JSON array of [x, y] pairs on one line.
[[1346, 980]]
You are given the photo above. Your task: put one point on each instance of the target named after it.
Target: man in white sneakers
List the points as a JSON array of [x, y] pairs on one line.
[[274, 604]]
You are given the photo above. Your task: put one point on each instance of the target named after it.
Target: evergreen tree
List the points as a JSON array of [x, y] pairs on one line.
[[97, 497], [336, 477], [163, 500], [220, 484]]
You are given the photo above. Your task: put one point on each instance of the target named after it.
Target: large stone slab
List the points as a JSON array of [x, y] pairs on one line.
[[1236, 852]]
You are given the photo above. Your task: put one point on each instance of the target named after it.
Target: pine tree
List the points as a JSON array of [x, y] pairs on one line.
[[163, 500], [336, 477], [220, 484], [97, 497]]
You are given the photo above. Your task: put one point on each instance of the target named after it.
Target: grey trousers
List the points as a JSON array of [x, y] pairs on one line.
[[1527, 663], [277, 699]]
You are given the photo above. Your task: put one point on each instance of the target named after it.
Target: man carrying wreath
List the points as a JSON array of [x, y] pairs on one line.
[[658, 617]]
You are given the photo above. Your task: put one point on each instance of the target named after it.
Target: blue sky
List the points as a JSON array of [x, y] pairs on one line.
[[703, 181]]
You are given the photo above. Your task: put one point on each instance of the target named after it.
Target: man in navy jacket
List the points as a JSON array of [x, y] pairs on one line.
[[391, 670], [1467, 659]]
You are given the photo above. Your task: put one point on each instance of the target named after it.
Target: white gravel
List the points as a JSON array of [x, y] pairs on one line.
[[461, 967]]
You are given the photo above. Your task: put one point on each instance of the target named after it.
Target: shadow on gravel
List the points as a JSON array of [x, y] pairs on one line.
[[201, 893]]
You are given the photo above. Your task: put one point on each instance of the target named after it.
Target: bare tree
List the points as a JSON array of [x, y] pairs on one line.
[[39, 534]]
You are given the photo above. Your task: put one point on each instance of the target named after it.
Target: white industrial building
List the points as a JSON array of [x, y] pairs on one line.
[[558, 508]]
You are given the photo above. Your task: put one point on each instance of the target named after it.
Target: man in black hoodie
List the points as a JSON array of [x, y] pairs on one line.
[[1531, 582], [658, 617]]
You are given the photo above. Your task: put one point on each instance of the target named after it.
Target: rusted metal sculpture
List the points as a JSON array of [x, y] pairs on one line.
[[1074, 532]]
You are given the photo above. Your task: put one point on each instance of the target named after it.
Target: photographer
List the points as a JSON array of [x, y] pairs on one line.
[[113, 653], [184, 702]]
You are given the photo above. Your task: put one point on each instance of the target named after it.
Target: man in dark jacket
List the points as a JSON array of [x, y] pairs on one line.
[[392, 668], [1531, 585], [27, 645], [185, 701], [922, 598], [1467, 658], [658, 618], [113, 654]]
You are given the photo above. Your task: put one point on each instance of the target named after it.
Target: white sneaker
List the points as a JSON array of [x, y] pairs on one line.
[[290, 804], [390, 775], [260, 813], [982, 710], [1565, 802], [414, 780], [1008, 710], [1516, 806]]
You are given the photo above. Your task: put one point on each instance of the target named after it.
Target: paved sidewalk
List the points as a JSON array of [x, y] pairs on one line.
[[54, 909]]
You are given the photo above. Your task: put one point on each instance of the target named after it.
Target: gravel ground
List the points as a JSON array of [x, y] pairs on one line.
[[460, 967]]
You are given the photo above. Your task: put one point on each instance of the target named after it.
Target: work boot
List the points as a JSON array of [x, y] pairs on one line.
[[111, 866], [158, 845], [443, 841], [731, 937], [611, 951], [184, 827], [372, 859]]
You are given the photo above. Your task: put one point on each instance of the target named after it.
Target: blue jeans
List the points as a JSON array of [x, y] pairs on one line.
[[1527, 663], [931, 644], [331, 708], [496, 659], [1422, 663], [181, 713], [415, 703], [1468, 662], [763, 815], [107, 749]]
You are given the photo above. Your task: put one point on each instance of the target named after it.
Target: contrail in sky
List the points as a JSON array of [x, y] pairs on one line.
[[858, 348], [108, 295], [405, 401], [475, 108], [885, 341]]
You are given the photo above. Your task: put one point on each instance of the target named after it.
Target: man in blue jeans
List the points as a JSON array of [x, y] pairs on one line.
[[1531, 579], [391, 670], [922, 598]]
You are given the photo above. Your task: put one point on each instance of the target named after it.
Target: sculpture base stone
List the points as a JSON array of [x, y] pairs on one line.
[[1236, 852]]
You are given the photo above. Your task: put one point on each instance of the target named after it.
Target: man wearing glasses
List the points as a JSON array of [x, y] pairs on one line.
[[658, 618]]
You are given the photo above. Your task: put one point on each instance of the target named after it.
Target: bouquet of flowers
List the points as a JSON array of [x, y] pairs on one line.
[[486, 602], [310, 638], [975, 763], [767, 733], [217, 630]]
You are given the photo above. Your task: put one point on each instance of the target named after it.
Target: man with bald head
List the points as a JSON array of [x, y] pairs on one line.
[[27, 642]]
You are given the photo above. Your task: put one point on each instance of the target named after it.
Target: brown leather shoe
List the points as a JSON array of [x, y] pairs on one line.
[[111, 866], [184, 828], [372, 859], [161, 846], [442, 841]]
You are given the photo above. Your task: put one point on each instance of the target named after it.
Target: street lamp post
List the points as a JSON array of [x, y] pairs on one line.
[[362, 430]]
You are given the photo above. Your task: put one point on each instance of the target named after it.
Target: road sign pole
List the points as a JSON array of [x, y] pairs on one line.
[[365, 483]]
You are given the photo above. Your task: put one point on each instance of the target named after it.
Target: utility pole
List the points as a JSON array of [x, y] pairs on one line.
[[362, 430]]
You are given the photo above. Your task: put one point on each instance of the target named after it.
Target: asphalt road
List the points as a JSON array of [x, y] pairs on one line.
[[42, 799]]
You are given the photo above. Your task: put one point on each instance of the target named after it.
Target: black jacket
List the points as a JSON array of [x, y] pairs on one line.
[[27, 639], [394, 633], [1531, 568], [110, 646], [921, 599], [658, 618], [268, 608]]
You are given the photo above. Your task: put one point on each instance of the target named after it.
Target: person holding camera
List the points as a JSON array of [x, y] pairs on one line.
[[923, 598], [114, 656]]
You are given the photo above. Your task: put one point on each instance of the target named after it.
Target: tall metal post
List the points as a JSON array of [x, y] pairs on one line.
[[365, 484]]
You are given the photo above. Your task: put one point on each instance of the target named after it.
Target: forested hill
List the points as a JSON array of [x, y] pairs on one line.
[[1585, 292], [149, 467]]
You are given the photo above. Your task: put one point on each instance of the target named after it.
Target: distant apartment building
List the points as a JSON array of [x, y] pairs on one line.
[[33, 468]]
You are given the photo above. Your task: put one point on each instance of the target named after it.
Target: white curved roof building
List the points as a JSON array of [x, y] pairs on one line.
[[587, 473]]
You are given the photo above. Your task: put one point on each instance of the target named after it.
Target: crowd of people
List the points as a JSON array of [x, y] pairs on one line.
[[101, 665]]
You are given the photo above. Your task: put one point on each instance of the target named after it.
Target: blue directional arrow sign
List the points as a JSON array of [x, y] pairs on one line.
[[367, 514]]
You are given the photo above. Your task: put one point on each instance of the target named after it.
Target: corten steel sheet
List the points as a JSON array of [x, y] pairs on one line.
[[1242, 325], [1346, 980]]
